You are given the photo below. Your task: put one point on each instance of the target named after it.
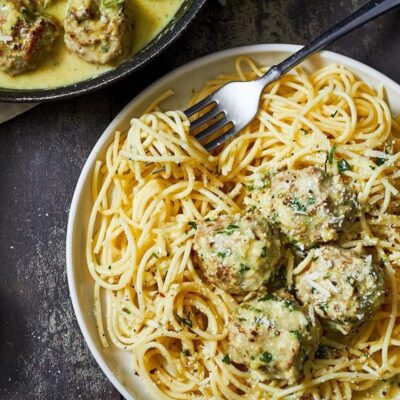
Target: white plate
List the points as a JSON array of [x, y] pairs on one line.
[[115, 363]]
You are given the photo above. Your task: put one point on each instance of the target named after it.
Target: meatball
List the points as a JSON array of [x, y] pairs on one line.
[[96, 30], [273, 336], [238, 253], [342, 287], [309, 205], [26, 36]]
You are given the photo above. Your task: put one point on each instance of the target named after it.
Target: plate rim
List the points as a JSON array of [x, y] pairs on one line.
[[105, 136]]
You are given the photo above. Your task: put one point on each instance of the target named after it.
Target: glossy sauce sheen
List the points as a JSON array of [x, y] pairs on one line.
[[63, 67]]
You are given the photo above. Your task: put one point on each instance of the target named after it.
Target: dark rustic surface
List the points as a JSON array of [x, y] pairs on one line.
[[42, 352]]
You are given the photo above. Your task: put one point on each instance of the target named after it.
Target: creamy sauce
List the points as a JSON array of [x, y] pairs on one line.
[[64, 68]]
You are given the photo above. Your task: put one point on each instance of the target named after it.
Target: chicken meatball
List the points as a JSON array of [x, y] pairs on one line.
[[273, 336], [342, 287], [96, 30], [309, 205], [26, 36], [238, 253]]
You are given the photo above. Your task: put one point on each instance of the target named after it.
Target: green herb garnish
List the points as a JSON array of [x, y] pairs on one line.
[[267, 297], [329, 155], [226, 359], [264, 252], [105, 48], [310, 201], [343, 165], [297, 205], [222, 254], [192, 224], [243, 269], [290, 304], [296, 334], [266, 357], [323, 307], [334, 114], [186, 321], [230, 229]]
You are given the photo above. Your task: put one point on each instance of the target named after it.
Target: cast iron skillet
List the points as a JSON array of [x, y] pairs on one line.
[[186, 14]]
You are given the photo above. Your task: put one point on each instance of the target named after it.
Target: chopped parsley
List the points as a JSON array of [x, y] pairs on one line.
[[192, 224], [295, 243], [333, 115], [222, 254], [266, 357], [330, 155], [310, 201], [186, 321], [296, 334], [343, 165], [155, 255], [226, 359], [186, 352], [290, 304], [267, 297], [124, 309], [230, 229], [243, 269], [297, 205], [305, 131], [232, 226], [379, 161], [105, 48], [323, 307], [264, 252], [314, 258]]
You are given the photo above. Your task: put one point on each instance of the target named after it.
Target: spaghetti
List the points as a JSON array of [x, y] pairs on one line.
[[156, 182]]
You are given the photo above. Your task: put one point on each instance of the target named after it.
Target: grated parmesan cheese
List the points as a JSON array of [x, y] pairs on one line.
[[317, 287], [152, 323], [5, 38]]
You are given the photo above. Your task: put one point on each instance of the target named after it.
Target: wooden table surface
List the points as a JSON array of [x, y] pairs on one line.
[[42, 351]]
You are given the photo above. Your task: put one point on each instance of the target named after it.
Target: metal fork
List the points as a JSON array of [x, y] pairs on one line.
[[236, 104]]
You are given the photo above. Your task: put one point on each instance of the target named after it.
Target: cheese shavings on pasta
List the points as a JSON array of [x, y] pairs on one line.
[[156, 182]]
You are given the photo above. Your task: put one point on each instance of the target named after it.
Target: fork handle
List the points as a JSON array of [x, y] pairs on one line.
[[370, 11]]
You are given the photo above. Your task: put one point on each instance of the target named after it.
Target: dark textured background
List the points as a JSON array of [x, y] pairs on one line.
[[42, 352]]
